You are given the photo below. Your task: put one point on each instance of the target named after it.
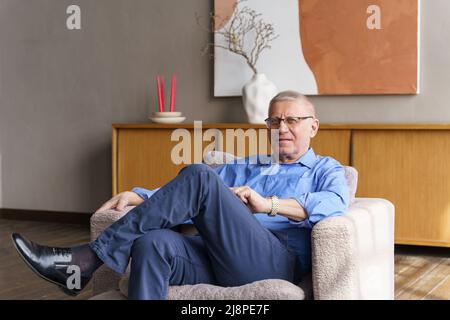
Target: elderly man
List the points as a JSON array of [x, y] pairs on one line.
[[251, 226]]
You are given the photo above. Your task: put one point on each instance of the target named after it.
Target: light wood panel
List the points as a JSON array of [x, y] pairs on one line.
[[403, 163], [115, 156], [142, 153], [144, 158], [334, 143], [411, 168]]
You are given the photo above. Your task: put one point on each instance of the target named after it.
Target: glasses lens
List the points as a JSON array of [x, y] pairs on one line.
[[273, 122], [290, 121]]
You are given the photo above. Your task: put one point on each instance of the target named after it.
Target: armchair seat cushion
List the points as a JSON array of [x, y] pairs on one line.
[[271, 289]]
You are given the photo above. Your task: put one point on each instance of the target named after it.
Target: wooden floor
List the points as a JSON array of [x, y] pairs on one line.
[[420, 272]]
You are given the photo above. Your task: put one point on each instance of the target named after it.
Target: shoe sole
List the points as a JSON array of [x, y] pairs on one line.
[[64, 289]]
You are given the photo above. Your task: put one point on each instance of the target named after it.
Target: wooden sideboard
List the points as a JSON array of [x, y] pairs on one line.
[[406, 164]]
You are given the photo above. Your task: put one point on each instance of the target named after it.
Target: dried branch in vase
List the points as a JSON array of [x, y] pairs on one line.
[[245, 34]]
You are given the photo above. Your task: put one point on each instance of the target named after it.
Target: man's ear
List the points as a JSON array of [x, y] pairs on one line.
[[314, 128]]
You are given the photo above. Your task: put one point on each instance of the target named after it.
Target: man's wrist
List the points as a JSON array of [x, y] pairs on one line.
[[136, 198], [269, 205]]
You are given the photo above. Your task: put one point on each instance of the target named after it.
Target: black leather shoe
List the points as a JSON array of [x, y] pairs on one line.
[[51, 264]]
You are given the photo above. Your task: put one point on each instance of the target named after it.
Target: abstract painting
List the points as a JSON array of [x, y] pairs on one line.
[[324, 47]]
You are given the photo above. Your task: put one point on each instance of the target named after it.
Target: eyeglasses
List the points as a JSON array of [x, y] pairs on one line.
[[289, 121]]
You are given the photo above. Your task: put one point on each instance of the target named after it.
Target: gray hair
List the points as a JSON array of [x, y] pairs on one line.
[[291, 95]]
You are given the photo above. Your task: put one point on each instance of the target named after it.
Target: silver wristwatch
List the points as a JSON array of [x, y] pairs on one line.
[[275, 206]]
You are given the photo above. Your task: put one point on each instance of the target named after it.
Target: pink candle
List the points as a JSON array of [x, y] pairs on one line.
[[173, 93], [160, 101], [162, 92]]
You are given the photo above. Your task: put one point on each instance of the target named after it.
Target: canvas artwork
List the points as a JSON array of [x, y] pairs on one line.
[[327, 47]]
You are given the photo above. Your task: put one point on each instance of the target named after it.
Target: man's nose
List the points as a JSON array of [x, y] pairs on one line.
[[283, 127]]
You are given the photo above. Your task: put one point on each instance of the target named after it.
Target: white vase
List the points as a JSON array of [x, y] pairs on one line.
[[256, 96]]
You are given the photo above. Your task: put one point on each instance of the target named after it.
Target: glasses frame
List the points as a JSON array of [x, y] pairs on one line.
[[284, 119]]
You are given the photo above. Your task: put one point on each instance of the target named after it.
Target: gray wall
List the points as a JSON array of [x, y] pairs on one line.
[[60, 90]]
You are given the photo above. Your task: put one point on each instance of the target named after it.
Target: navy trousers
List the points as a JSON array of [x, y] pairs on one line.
[[232, 247]]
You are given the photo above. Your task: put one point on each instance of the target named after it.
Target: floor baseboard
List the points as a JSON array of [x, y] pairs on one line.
[[46, 216]]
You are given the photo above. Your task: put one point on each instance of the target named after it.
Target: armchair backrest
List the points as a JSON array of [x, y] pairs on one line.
[[351, 174]]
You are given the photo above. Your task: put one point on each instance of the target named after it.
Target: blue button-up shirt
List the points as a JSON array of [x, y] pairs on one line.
[[317, 183]]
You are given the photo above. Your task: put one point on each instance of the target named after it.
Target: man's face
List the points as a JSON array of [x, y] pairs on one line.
[[294, 140]]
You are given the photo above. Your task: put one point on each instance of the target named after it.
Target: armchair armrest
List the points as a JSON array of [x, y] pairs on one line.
[[353, 254], [102, 220]]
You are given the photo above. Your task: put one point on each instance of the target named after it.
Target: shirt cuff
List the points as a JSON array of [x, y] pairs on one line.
[[144, 193]]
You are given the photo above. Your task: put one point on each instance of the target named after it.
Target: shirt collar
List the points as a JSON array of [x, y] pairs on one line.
[[308, 159]]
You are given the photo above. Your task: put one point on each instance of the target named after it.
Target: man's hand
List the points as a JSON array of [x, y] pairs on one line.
[[254, 201], [120, 201]]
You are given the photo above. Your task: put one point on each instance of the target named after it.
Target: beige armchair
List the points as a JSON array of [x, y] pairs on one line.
[[352, 258]]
